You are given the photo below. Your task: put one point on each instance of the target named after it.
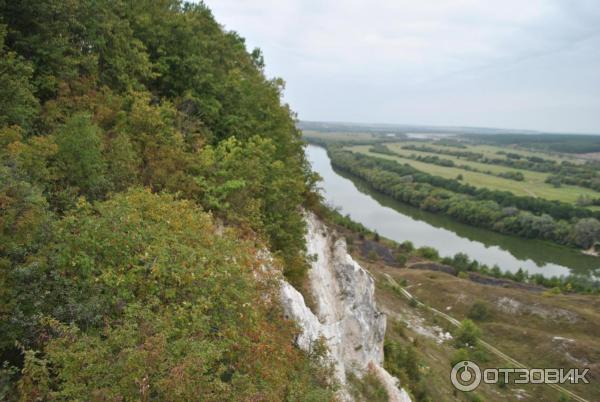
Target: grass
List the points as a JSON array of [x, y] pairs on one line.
[[491, 151], [529, 335], [533, 185]]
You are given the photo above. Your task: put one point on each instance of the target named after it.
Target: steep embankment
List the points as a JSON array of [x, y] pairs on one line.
[[346, 316]]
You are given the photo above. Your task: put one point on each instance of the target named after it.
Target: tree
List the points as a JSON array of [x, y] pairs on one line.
[[467, 334], [586, 232], [18, 105], [25, 226], [79, 156]]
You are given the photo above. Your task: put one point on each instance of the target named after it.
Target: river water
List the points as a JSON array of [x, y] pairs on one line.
[[400, 222]]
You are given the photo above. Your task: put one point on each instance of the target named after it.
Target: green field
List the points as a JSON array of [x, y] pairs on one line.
[[484, 167], [491, 151], [533, 185]]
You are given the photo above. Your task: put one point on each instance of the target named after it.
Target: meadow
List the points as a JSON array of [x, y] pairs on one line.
[[533, 185]]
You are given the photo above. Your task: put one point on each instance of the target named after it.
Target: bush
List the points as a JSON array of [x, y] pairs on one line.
[[407, 246], [401, 259], [480, 355], [367, 388], [458, 356], [428, 252], [467, 334], [479, 311]]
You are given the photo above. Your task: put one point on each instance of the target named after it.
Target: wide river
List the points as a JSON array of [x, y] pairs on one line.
[[400, 222]]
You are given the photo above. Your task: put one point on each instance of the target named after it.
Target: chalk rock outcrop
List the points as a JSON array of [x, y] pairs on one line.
[[346, 315]]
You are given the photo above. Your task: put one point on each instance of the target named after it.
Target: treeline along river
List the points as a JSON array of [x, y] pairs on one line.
[[401, 222]]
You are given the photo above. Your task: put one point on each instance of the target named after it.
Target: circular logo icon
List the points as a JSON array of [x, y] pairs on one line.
[[465, 376]]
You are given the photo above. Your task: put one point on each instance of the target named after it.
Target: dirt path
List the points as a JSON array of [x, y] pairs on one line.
[[486, 345]]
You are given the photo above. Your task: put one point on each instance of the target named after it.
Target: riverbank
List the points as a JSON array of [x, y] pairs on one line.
[[542, 327], [499, 211], [401, 222], [373, 247]]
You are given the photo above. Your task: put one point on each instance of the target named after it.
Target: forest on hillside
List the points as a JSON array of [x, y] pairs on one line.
[[145, 161]]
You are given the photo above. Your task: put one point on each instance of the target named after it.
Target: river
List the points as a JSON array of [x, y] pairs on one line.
[[400, 222]]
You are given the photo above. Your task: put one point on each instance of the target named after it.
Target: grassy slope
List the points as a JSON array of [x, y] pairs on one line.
[[532, 186], [523, 336]]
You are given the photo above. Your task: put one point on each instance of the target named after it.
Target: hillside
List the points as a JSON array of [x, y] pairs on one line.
[[146, 164]]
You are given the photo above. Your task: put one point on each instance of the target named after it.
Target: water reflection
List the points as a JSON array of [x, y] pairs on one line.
[[400, 222]]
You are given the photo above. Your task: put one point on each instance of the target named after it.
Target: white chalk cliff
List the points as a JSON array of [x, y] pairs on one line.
[[346, 316]]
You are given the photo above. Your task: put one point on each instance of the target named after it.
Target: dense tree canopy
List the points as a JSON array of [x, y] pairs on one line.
[[131, 134]]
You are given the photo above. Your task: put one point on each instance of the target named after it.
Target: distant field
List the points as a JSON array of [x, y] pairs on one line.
[[348, 136], [491, 151], [484, 167], [532, 186]]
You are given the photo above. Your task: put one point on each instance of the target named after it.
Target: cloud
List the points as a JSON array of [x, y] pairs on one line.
[[358, 59]]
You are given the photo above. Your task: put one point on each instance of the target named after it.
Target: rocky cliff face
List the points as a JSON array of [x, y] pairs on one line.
[[346, 316]]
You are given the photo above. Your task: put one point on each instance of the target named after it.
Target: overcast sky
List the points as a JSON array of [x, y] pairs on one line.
[[531, 64]]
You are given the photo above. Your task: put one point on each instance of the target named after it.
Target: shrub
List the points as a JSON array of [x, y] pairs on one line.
[[367, 388], [401, 259], [458, 356], [479, 311], [467, 334], [407, 246], [428, 252]]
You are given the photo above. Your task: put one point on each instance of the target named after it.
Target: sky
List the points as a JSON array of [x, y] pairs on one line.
[[520, 64]]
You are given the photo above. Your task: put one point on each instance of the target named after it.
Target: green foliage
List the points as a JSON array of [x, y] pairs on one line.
[[120, 293], [458, 356], [479, 311], [586, 232], [247, 183], [401, 259], [407, 246], [79, 156], [564, 397], [429, 253], [473, 397], [134, 269], [25, 225], [8, 389], [18, 105], [403, 363], [367, 388], [467, 334]]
